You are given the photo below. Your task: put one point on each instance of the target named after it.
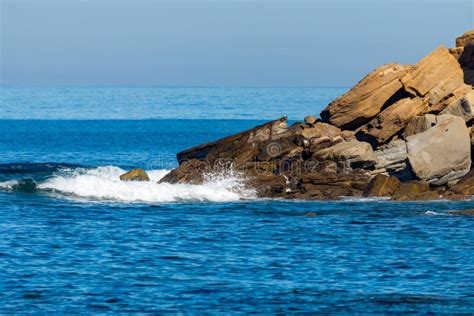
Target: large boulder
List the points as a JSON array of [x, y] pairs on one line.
[[434, 77], [465, 39], [377, 90], [391, 121], [442, 153], [136, 174]]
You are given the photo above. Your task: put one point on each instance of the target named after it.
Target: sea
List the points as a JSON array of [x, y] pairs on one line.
[[75, 239]]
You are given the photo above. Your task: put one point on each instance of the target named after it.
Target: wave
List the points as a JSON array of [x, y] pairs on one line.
[[103, 183]]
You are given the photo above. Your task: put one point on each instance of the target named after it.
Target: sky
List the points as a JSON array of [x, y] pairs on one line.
[[218, 43]]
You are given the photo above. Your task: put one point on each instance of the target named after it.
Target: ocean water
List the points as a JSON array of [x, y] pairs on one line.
[[76, 239]]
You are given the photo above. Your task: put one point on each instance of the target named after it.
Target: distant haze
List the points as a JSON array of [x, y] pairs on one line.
[[218, 43]]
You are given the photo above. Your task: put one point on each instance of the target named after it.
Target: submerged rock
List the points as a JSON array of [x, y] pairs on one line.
[[463, 212], [135, 175]]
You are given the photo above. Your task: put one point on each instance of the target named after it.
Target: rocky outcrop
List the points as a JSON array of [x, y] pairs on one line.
[[403, 132], [377, 90], [442, 153], [135, 175]]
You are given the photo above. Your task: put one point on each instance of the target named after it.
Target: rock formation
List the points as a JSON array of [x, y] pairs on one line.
[[403, 131]]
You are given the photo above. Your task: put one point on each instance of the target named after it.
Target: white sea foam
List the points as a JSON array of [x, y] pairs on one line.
[[7, 185], [103, 183]]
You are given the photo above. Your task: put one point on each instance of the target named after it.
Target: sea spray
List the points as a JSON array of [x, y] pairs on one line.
[[103, 183]]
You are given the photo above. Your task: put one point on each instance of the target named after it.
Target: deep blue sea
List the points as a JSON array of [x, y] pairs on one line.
[[74, 239]]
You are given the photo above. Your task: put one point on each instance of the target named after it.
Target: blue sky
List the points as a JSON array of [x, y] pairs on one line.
[[224, 43]]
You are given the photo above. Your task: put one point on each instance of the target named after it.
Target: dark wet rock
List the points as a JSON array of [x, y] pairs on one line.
[[135, 175], [25, 185], [382, 186], [463, 212]]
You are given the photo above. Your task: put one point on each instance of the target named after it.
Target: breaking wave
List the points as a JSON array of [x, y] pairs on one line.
[[103, 183]]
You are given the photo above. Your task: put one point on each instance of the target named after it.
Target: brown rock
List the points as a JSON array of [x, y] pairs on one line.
[[456, 52], [425, 196], [453, 97], [310, 120], [321, 186], [419, 124], [411, 190], [465, 39], [189, 171], [391, 121], [382, 186], [240, 147], [319, 130], [135, 175], [268, 185], [465, 186], [365, 100], [434, 77], [353, 153]]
